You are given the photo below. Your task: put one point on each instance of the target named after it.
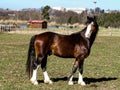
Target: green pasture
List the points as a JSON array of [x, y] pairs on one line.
[[101, 68]]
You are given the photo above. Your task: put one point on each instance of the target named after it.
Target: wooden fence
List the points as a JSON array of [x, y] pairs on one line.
[[7, 28]]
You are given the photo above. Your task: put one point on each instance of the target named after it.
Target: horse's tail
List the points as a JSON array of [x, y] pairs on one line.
[[31, 57]]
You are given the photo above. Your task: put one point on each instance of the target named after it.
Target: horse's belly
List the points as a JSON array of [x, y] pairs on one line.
[[65, 52]]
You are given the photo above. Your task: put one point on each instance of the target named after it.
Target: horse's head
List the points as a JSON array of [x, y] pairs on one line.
[[92, 26]]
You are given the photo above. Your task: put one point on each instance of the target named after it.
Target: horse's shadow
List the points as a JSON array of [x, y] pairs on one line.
[[94, 80], [87, 80]]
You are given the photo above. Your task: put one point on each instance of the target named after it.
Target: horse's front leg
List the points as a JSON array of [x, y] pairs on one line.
[[80, 79], [75, 66]]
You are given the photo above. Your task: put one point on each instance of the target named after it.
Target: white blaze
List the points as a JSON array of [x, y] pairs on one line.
[[88, 31]]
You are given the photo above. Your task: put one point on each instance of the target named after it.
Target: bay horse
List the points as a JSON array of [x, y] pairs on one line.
[[77, 45]]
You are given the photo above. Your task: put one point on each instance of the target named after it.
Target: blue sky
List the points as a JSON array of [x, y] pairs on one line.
[[20, 4]]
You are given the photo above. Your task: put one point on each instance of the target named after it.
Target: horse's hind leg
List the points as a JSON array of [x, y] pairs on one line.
[[36, 65], [43, 66]]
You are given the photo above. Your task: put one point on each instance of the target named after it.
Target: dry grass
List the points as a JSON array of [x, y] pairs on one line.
[[12, 22]]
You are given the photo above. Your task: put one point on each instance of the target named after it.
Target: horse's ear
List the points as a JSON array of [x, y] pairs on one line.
[[88, 17]]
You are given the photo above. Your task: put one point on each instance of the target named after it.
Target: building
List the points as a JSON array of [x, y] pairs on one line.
[[77, 10], [37, 24]]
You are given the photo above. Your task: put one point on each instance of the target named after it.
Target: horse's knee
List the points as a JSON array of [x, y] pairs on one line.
[[43, 68], [35, 65], [43, 64]]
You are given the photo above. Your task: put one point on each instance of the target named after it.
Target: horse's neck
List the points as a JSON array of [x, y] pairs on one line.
[[89, 41], [83, 32], [92, 38], [83, 35]]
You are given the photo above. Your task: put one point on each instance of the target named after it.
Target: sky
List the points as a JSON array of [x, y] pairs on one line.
[[21, 4]]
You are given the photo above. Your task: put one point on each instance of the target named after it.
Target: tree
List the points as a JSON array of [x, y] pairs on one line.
[[45, 12], [69, 20]]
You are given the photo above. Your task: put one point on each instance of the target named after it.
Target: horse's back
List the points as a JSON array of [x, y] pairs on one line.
[[45, 35]]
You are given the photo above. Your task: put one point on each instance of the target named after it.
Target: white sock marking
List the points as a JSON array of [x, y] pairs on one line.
[[46, 78], [80, 80], [70, 81], [34, 76]]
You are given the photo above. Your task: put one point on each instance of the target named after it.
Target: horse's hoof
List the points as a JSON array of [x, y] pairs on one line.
[[82, 83], [34, 82], [48, 82], [70, 83]]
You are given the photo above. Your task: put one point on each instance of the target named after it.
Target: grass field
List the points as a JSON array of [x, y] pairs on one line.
[[101, 68]]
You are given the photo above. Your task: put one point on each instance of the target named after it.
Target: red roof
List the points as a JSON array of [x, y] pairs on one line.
[[36, 21]]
